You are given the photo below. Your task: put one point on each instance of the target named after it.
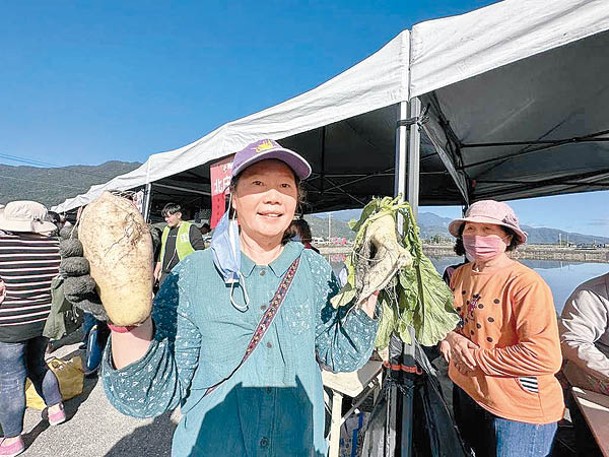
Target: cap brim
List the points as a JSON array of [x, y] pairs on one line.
[[456, 224], [299, 165]]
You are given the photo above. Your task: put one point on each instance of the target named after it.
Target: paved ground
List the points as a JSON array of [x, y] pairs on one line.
[[94, 428]]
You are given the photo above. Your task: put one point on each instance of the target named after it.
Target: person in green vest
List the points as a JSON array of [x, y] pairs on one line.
[[179, 240]]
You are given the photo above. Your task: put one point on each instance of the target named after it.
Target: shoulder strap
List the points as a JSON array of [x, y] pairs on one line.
[[265, 321]]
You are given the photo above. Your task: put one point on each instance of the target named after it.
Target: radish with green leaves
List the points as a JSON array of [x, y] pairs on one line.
[[384, 258]]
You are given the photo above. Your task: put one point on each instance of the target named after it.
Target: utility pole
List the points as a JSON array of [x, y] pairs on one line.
[[329, 226]]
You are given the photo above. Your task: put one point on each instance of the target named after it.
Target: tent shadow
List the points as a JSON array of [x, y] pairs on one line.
[[152, 440], [71, 406], [72, 338], [29, 438], [239, 415]]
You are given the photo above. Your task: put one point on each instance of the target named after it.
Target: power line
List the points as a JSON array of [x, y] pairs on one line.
[[24, 160], [33, 162]]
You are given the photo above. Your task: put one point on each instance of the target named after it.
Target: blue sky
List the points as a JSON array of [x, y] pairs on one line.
[[87, 82], [582, 213]]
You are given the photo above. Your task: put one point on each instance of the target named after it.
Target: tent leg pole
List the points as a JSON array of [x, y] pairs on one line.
[[407, 184], [394, 406], [414, 157], [322, 176], [408, 358], [147, 202], [401, 151], [337, 403]]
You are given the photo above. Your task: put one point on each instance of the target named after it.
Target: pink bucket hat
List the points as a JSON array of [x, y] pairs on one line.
[[490, 212]]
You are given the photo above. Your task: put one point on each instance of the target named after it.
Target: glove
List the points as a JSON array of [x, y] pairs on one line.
[[78, 285]]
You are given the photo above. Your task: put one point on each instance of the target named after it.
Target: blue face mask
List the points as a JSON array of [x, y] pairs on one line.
[[226, 252]]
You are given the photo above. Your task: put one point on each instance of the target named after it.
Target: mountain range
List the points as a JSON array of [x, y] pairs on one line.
[[51, 186], [433, 226]]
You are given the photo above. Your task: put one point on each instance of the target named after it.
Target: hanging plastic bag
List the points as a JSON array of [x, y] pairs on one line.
[[71, 381]]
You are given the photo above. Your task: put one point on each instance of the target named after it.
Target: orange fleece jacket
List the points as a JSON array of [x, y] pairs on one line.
[[510, 315]]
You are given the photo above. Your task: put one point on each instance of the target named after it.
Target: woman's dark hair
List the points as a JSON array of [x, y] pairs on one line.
[[460, 249], [514, 241], [53, 217], [301, 228]]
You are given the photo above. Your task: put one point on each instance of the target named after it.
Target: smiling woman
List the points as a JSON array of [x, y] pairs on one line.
[[244, 366], [264, 197]]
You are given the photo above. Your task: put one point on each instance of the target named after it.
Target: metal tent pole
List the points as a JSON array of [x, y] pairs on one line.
[[408, 358], [414, 156], [147, 192], [401, 394], [147, 202], [394, 404], [401, 150]]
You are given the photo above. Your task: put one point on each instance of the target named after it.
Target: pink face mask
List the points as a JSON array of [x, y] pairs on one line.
[[483, 247]]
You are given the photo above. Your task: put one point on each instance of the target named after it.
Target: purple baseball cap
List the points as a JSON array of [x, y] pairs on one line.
[[270, 149]]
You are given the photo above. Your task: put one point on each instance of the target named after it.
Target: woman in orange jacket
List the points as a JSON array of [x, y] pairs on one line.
[[506, 351]]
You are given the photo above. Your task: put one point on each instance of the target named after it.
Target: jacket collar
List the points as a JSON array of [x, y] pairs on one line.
[[280, 265]]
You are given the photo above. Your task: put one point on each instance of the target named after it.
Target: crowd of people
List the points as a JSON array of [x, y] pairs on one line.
[[241, 324]]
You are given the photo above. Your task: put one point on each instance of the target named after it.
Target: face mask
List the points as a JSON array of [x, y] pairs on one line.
[[483, 247], [226, 253]]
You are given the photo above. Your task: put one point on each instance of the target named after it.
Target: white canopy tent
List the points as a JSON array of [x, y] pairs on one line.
[[514, 100]]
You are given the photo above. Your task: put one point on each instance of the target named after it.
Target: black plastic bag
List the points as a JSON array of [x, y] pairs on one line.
[[434, 431]]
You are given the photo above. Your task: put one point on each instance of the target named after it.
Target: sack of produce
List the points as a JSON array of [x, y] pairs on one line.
[[390, 260]]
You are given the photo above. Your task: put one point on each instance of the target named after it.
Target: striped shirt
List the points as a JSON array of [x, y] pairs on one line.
[[28, 264]]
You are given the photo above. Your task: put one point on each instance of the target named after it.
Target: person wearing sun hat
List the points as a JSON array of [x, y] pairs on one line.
[[504, 354], [29, 260], [238, 331]]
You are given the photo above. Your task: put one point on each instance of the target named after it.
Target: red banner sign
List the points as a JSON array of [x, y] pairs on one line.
[[220, 173]]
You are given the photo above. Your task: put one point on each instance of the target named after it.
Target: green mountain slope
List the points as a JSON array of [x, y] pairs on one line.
[[433, 226], [51, 186]]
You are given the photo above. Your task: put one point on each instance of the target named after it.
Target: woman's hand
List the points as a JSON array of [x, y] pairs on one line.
[[461, 352], [444, 348], [369, 304], [2, 291]]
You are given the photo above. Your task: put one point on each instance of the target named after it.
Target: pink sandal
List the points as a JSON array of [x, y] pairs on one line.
[[58, 417], [11, 450]]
